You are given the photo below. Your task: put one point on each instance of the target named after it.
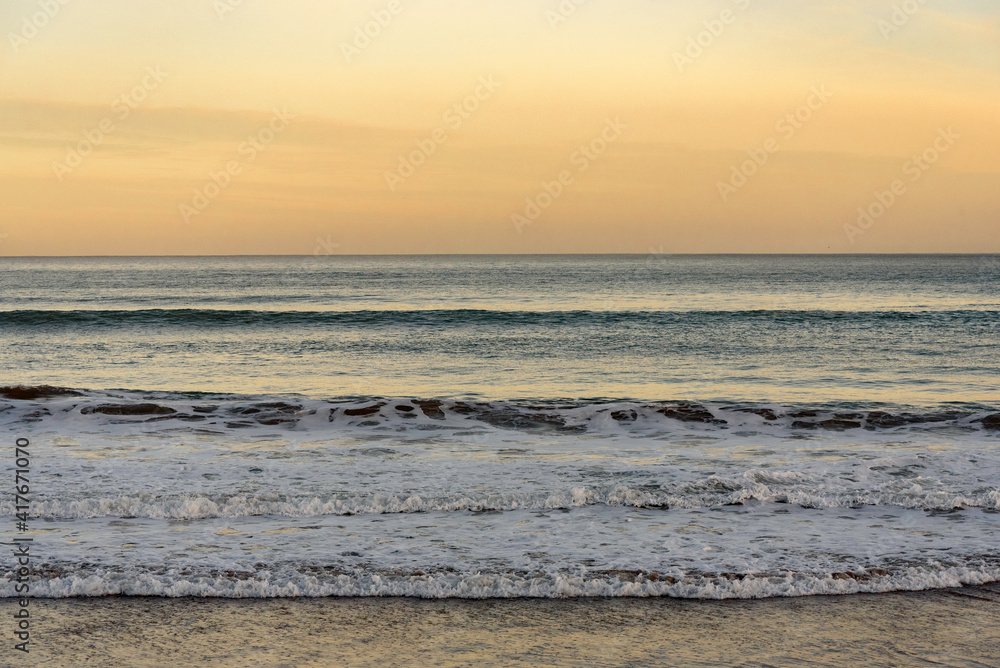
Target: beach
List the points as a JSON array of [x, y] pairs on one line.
[[950, 627]]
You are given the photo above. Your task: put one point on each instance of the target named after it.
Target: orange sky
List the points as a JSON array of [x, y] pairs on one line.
[[498, 126]]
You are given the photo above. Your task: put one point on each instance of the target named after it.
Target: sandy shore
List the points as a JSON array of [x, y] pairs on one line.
[[957, 627]]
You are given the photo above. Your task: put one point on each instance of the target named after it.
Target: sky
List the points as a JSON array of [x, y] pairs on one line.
[[232, 127]]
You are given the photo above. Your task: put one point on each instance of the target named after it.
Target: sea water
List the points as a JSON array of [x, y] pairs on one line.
[[498, 426]]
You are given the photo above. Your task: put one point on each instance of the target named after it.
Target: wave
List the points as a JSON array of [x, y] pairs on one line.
[[284, 581], [33, 404], [218, 318], [793, 488]]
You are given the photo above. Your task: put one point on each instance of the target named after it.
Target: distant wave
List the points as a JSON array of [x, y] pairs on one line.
[[213, 318]]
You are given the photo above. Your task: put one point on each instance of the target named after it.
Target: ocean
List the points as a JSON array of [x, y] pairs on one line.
[[504, 426]]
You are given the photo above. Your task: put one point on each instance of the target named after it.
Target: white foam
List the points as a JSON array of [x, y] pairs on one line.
[[756, 550], [481, 586], [207, 506], [314, 506]]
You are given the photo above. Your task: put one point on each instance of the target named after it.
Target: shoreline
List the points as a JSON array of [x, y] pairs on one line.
[[958, 626]]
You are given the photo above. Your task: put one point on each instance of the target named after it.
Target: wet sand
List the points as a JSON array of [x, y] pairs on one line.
[[955, 627]]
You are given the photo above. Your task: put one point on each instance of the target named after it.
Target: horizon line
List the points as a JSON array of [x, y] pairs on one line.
[[634, 254]]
